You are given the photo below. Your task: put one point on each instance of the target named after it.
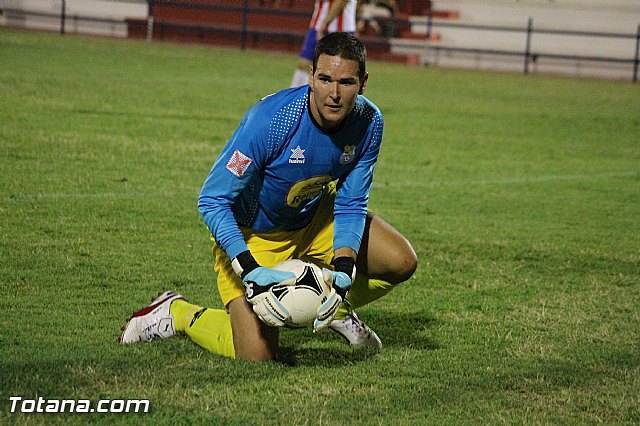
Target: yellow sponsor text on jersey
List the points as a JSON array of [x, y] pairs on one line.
[[306, 189]]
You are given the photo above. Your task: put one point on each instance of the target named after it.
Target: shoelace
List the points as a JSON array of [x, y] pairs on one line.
[[355, 326]]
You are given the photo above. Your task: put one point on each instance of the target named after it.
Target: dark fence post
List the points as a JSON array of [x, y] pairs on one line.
[[637, 56], [150, 22], [62, 16], [245, 23], [527, 52]]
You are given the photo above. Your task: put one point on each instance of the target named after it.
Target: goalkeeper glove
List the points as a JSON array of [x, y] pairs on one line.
[[340, 281], [258, 282]]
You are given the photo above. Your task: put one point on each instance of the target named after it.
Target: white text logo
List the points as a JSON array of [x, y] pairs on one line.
[[41, 405], [298, 156]]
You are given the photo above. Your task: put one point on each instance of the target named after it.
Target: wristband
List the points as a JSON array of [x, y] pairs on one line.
[[345, 264], [244, 263]]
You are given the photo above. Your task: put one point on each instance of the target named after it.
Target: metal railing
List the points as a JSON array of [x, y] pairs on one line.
[[530, 56]]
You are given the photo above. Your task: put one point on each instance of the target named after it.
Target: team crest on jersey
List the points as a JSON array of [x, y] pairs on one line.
[[298, 156], [238, 163], [348, 154]]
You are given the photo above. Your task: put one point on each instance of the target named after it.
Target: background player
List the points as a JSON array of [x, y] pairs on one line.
[[328, 17], [292, 182]]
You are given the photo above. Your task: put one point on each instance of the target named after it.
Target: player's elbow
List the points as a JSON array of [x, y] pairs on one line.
[[204, 206]]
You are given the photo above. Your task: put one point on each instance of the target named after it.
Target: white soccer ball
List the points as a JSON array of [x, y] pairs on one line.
[[303, 299]]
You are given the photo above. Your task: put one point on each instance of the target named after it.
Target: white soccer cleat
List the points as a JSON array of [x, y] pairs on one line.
[[356, 332], [153, 321]]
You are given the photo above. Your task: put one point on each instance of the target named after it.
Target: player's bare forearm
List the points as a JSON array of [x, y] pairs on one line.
[[345, 252]]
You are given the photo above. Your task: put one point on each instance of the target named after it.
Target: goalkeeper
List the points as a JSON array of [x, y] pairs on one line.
[[292, 182]]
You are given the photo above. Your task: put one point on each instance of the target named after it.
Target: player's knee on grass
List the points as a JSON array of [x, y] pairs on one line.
[[252, 339]]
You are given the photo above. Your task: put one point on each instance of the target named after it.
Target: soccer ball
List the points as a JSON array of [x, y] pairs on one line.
[[303, 299]]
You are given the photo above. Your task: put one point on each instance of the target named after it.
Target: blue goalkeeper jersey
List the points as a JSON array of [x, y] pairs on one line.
[[272, 172]]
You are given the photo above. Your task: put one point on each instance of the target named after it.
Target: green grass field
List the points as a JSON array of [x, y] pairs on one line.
[[521, 196]]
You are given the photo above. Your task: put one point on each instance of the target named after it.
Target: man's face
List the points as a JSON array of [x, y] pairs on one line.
[[335, 86]]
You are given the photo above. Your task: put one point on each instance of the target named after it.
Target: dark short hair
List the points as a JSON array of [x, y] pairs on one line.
[[343, 45]]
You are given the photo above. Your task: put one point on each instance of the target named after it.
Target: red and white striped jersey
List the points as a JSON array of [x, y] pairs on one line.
[[346, 21]]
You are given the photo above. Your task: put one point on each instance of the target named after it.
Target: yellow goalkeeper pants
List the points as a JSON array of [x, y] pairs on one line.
[[211, 328]]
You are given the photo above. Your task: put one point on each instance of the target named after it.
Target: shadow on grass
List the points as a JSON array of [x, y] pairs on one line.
[[405, 329], [396, 330]]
